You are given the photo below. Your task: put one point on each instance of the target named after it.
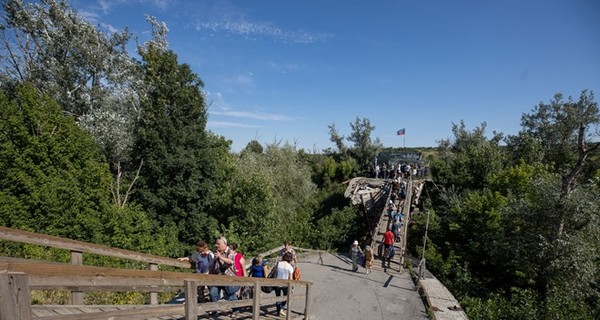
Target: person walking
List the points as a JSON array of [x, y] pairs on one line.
[[388, 242], [284, 271], [287, 247], [355, 253], [225, 265], [368, 259]]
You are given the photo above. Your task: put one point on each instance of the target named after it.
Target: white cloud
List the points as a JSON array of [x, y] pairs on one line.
[[262, 29], [223, 16], [225, 124], [282, 68], [219, 107], [253, 115]]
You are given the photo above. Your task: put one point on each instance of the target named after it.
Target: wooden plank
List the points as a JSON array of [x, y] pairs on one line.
[[191, 300], [256, 302], [77, 295], [120, 312], [153, 294], [143, 311], [80, 246], [15, 303], [55, 274]]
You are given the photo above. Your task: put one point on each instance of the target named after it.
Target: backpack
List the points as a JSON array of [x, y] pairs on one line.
[[296, 275], [392, 251]]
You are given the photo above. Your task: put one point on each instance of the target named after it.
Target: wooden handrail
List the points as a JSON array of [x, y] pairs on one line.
[[42, 275], [80, 246]]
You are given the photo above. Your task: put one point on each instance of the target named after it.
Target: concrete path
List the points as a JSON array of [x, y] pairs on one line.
[[340, 293]]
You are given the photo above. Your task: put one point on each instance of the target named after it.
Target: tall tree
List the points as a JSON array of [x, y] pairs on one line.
[[182, 162], [365, 148]]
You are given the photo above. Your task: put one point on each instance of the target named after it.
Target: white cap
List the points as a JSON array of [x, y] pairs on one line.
[[355, 243]]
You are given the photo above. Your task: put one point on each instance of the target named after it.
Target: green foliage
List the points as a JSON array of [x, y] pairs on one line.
[[89, 73], [54, 180], [467, 161], [519, 239], [269, 200], [130, 228], [364, 147], [183, 164], [561, 127], [254, 146], [335, 229]]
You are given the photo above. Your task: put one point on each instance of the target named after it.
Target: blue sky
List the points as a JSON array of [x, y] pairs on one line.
[[285, 70]]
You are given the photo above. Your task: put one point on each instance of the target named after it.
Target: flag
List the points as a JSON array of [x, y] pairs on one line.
[[401, 132]]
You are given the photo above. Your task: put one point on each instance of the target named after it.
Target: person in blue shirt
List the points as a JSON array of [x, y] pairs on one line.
[[259, 268]]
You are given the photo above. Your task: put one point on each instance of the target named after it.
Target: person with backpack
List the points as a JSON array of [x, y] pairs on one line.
[[224, 265], [388, 242]]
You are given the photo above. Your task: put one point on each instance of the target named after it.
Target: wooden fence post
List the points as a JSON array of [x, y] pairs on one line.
[[153, 295], [307, 302], [15, 302], [191, 300], [256, 301], [289, 296], [77, 259]]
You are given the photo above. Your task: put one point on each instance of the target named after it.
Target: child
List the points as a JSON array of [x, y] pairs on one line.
[[368, 259]]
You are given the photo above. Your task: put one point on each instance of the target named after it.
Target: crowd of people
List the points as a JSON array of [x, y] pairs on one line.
[[227, 260], [399, 170], [392, 234]]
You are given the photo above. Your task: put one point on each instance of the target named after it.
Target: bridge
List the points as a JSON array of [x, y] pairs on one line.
[[329, 290]]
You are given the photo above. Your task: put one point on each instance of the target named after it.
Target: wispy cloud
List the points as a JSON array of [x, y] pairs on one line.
[[253, 115], [107, 5], [223, 17], [282, 68], [219, 107], [262, 29], [225, 124]]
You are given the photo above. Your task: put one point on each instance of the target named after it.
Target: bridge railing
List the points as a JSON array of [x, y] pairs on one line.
[[19, 276], [77, 248]]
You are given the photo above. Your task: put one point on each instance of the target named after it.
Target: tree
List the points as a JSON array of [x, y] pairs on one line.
[[335, 137], [53, 179], [567, 132], [466, 161], [183, 163], [88, 72], [254, 146], [364, 148]]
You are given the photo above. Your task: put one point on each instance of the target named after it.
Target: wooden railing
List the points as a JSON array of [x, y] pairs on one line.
[[77, 249], [19, 276]]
